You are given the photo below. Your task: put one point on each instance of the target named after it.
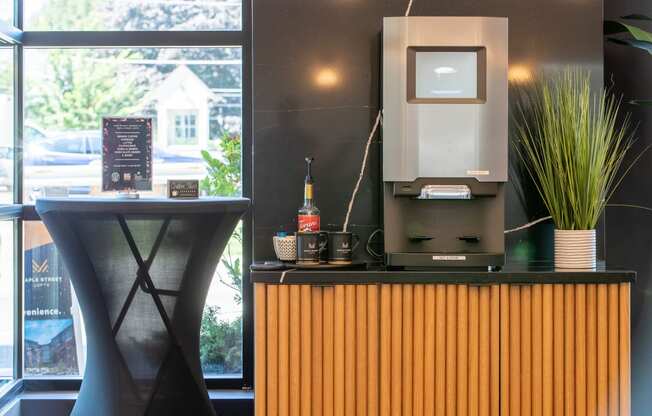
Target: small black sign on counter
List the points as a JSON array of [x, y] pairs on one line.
[[183, 189], [126, 154]]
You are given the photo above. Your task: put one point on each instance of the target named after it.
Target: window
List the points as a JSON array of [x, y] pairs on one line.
[[6, 301], [7, 10], [133, 15], [67, 104], [184, 130], [185, 64], [7, 121], [7, 225]]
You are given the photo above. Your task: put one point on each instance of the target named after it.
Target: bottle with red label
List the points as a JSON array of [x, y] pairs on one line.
[[308, 219]]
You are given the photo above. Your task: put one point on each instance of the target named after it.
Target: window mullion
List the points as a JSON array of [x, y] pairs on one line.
[[18, 199], [18, 14], [18, 123], [18, 299], [247, 191], [134, 39]]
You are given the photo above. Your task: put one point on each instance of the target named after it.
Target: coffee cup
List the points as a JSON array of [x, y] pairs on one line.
[[341, 246], [308, 247]]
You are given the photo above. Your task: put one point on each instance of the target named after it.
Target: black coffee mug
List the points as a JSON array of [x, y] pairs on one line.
[[307, 248], [340, 247]]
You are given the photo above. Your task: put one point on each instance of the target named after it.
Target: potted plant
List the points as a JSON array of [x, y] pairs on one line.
[[572, 144]]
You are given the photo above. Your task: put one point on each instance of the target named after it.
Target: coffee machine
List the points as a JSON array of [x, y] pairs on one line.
[[445, 162]]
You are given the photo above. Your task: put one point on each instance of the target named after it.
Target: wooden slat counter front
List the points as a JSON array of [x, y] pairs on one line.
[[435, 343]]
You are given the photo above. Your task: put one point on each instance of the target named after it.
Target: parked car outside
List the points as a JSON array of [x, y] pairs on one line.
[[32, 133], [84, 147]]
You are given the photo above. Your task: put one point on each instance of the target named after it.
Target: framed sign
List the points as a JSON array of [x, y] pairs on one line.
[[126, 154], [183, 189]]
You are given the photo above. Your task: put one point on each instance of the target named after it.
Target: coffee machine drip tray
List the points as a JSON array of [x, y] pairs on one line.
[[416, 261], [445, 192]]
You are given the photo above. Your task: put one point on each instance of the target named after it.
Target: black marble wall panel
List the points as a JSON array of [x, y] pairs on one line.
[[629, 231], [317, 92]]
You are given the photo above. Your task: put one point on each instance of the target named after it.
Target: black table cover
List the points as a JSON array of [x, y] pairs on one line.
[[141, 270]]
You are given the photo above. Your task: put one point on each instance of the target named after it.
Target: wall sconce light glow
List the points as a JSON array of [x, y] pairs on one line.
[[445, 70], [519, 74], [327, 78]]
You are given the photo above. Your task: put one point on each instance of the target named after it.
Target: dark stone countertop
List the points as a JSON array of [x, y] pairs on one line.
[[532, 273]]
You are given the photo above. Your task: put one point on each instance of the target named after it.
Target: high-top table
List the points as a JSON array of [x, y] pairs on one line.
[[141, 270]]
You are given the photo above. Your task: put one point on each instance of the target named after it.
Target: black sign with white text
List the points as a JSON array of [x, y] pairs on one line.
[[126, 154], [180, 189]]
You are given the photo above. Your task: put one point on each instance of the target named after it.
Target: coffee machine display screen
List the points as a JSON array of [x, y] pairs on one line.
[[446, 74]]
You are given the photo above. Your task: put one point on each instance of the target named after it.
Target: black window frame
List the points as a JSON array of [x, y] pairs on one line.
[[13, 35]]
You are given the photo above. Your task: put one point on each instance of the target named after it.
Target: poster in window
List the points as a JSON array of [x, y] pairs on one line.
[[126, 154], [52, 320]]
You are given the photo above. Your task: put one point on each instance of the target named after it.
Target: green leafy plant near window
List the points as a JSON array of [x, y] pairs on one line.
[[221, 341], [624, 32], [572, 145], [224, 174]]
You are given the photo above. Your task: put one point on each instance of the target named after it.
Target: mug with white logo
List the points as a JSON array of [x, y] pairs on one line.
[[307, 247], [340, 247]]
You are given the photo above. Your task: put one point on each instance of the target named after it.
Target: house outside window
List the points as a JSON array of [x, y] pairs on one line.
[[181, 105]]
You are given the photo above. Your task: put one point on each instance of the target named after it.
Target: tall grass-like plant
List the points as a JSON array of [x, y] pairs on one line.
[[572, 144]]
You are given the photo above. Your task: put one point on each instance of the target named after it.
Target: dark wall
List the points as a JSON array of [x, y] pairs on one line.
[[294, 116], [629, 231]]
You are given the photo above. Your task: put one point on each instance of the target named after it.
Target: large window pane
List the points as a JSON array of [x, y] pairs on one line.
[[133, 15], [7, 11], [194, 97], [6, 300], [7, 123]]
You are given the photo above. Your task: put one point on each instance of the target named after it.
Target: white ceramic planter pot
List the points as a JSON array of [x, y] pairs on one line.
[[575, 249]]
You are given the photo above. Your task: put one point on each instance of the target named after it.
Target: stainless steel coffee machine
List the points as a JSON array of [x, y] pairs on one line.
[[444, 140]]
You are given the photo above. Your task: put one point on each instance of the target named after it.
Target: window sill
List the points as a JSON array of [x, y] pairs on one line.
[[60, 403]]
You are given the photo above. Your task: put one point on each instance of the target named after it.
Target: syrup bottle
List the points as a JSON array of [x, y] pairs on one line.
[[308, 219]]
